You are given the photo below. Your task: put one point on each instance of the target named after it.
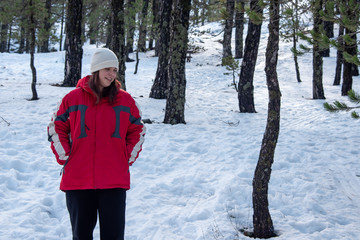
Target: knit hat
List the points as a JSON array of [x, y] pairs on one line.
[[103, 58]]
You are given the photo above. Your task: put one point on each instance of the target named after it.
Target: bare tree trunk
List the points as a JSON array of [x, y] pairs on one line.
[[22, 40], [318, 91], [157, 6], [263, 225], [230, 6], [295, 21], [239, 25], [348, 68], [118, 37], [354, 52], [32, 50], [62, 26], [246, 87], [160, 85], [296, 59], [73, 41], [329, 30], [339, 57], [154, 27], [4, 37], [137, 61], [175, 101], [131, 16], [143, 26], [47, 25]]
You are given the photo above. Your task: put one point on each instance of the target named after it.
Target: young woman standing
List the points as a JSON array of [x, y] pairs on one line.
[[96, 133]]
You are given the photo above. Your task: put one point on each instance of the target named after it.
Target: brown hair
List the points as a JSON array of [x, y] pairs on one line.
[[110, 91]]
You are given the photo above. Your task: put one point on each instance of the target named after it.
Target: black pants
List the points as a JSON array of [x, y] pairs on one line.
[[83, 206]]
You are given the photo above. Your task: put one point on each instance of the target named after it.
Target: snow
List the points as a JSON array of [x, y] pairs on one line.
[[191, 181]]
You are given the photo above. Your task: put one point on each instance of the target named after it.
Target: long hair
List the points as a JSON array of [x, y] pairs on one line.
[[110, 91]]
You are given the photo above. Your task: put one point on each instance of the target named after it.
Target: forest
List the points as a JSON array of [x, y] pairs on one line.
[[170, 32]]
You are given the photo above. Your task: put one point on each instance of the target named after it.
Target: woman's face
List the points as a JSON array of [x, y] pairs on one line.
[[106, 76]]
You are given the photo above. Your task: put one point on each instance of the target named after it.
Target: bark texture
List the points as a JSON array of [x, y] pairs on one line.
[[175, 101], [229, 22], [246, 87], [118, 37], [143, 27], [339, 57], [263, 225], [239, 28], [160, 85], [74, 51], [32, 50], [318, 90]]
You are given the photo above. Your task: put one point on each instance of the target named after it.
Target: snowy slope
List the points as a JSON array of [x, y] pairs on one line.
[[191, 181]]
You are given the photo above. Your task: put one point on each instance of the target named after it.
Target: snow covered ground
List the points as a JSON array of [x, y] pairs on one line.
[[191, 181]]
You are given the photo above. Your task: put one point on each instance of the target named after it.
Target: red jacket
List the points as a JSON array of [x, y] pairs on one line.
[[96, 143]]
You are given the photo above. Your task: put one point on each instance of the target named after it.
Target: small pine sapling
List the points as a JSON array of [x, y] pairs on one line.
[[232, 65]]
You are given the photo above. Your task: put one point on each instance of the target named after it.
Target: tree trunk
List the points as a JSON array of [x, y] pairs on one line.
[[9, 37], [339, 57], [160, 85], [74, 51], [246, 88], [296, 59], [348, 68], [4, 37], [263, 225], [354, 52], [118, 37], [62, 26], [136, 61], [22, 40], [154, 26], [157, 6], [230, 6], [203, 12], [295, 22], [93, 31], [175, 102], [131, 22], [32, 50], [347, 79], [143, 26], [329, 31], [318, 91], [239, 26], [47, 25]]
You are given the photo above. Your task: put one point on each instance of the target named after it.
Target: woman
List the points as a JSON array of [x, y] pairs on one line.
[[96, 134]]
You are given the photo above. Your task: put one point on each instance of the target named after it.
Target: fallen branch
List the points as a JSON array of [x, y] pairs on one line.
[[5, 121]]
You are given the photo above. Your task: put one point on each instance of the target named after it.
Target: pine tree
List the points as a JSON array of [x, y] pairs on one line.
[[6, 18], [346, 17], [291, 25]]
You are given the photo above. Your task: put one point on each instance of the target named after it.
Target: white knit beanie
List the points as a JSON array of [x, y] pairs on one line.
[[103, 58]]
